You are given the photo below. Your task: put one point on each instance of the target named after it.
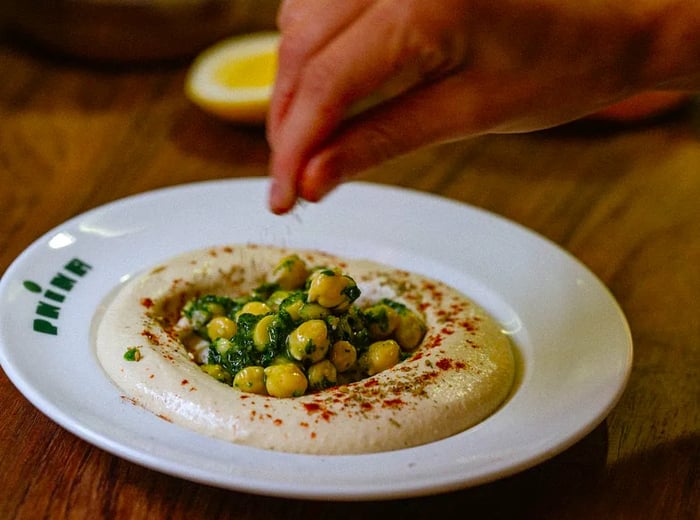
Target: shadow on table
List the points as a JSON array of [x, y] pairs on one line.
[[547, 487], [575, 484]]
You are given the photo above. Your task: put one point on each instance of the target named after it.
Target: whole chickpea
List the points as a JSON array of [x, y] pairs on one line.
[[290, 273], [285, 380], [309, 341]]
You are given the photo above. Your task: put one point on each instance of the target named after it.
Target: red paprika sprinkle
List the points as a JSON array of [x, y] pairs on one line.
[[312, 407], [444, 364], [468, 325], [152, 338]]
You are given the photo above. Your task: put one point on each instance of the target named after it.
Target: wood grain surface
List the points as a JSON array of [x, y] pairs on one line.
[[623, 200]]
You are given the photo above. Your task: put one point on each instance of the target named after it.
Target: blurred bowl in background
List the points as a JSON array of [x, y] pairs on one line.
[[136, 30]]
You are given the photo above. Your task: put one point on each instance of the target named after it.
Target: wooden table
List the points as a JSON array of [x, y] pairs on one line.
[[625, 201]]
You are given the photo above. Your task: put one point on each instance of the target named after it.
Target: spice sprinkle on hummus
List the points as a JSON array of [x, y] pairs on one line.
[[302, 351]]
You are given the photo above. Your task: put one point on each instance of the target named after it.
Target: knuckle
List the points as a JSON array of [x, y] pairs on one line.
[[431, 40]]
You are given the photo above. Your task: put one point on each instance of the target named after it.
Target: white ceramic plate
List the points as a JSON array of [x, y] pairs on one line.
[[573, 342]]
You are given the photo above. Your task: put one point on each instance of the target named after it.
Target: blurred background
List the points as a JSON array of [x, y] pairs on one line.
[[134, 30]]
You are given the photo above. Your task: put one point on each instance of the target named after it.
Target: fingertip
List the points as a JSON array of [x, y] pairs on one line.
[[314, 192], [282, 194], [310, 194], [277, 204]]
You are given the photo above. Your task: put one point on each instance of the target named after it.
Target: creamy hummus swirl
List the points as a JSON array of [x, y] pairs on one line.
[[461, 373]]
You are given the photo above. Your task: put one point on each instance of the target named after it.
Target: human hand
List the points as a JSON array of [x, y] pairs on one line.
[[453, 69]]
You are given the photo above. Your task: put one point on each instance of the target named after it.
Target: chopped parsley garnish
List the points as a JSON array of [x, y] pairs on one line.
[[132, 354]]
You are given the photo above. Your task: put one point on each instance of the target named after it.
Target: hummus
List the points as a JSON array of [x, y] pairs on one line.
[[461, 372]]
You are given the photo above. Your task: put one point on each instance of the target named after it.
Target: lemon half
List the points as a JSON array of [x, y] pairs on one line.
[[233, 79]]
